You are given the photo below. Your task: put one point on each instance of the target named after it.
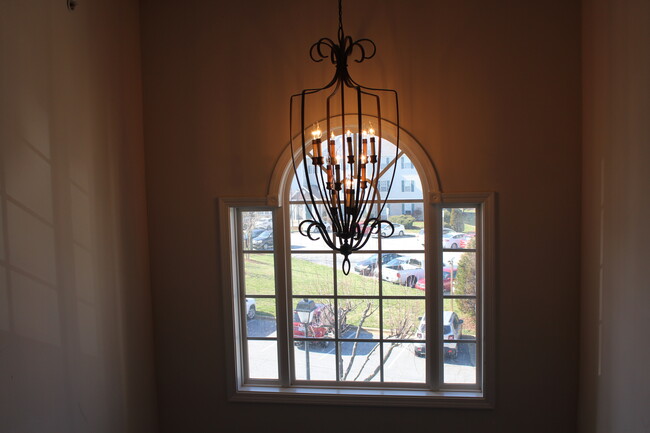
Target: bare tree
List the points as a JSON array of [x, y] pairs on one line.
[[367, 312]]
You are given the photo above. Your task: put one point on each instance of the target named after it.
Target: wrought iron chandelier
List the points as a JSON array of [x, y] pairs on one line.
[[342, 196]]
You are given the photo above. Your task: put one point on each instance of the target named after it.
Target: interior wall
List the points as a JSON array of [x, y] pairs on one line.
[[615, 354], [491, 89], [75, 316]]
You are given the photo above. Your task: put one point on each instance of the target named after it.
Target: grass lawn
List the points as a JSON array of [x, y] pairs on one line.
[[313, 280]]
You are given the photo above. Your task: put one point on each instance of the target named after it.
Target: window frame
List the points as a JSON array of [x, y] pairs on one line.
[[264, 390]]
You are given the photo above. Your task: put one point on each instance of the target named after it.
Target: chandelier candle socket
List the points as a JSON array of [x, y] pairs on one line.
[[341, 197]]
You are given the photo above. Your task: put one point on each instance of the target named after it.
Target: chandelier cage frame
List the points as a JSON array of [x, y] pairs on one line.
[[345, 174]]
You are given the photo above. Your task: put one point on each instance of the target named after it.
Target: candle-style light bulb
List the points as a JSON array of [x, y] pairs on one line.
[[348, 137], [316, 134], [371, 131], [364, 150], [332, 149]]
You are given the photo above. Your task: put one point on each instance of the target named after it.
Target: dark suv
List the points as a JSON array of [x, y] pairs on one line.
[[368, 266]]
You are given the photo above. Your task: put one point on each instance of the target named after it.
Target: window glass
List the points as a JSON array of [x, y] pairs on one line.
[[258, 300], [459, 362], [262, 359]]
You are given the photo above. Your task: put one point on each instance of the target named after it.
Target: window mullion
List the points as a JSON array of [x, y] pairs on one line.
[[241, 294], [282, 291], [434, 301]]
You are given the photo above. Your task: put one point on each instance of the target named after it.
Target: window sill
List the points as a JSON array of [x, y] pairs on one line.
[[361, 397]]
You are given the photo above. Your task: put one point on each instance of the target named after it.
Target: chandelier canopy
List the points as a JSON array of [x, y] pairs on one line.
[[341, 194]]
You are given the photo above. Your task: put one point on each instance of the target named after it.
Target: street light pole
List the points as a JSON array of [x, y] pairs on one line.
[[305, 310], [307, 366], [451, 281]]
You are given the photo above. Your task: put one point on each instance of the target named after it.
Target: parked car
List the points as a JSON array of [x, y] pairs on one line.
[[466, 243], [420, 237], [250, 308], [403, 270], [398, 230], [263, 241], [369, 265], [446, 280], [452, 331], [321, 326], [453, 240]]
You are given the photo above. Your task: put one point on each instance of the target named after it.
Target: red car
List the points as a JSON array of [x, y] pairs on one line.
[[465, 243], [321, 325], [446, 280]]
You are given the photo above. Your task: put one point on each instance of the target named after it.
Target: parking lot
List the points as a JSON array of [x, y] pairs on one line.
[[401, 366]]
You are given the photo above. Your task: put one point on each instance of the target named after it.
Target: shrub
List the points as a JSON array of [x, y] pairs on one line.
[[406, 220]]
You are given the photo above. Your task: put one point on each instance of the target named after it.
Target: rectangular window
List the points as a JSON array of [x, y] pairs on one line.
[[257, 298], [408, 186], [383, 185], [407, 326]]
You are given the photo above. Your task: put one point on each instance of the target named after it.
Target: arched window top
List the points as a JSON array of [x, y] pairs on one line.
[[410, 150]]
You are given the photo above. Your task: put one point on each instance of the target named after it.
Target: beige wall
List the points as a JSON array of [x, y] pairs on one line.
[[491, 89], [75, 317], [615, 355]]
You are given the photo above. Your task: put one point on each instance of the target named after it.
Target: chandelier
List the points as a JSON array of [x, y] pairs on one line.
[[341, 194]]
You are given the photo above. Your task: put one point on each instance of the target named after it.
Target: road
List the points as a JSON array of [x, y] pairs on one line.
[[408, 242]]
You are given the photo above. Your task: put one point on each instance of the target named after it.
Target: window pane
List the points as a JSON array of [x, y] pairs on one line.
[[405, 270], [259, 274], [312, 274], [360, 361], [407, 234], [359, 318], [362, 279], [313, 318], [402, 365], [294, 193], [459, 220], [459, 273], [315, 361], [260, 317], [463, 310], [262, 359], [299, 213], [402, 317], [406, 183], [459, 362], [257, 230]]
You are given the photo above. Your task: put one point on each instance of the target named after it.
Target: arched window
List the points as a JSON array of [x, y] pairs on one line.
[[304, 331]]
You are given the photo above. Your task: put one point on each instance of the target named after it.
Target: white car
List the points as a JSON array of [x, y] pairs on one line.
[[420, 237], [453, 239], [250, 308], [398, 230], [403, 270], [452, 330]]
